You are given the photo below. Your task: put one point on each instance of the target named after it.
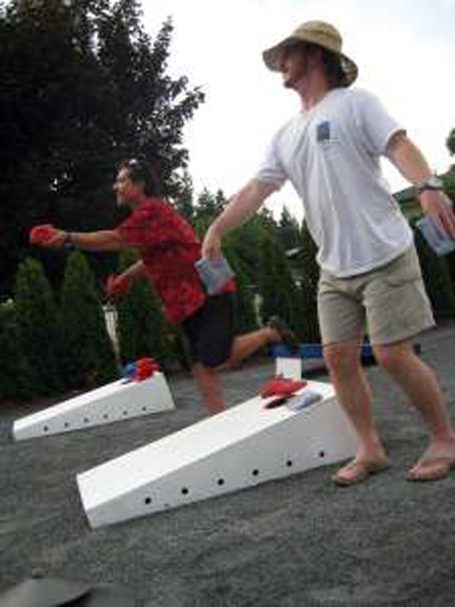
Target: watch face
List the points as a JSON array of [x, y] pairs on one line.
[[434, 183]]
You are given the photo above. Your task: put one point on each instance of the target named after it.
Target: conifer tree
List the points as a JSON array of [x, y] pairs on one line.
[[309, 288], [16, 378], [39, 327], [437, 278], [278, 290], [141, 327], [90, 357], [246, 317]]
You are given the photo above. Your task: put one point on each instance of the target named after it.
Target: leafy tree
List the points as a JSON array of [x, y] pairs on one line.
[[82, 87], [90, 357], [39, 327], [16, 377]]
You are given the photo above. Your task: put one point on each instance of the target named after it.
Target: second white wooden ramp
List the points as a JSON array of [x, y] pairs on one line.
[[241, 447]]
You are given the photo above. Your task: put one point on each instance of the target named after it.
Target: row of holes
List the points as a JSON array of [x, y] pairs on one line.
[[87, 420], [220, 481]]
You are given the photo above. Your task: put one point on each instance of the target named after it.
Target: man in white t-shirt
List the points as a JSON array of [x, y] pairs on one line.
[[370, 272]]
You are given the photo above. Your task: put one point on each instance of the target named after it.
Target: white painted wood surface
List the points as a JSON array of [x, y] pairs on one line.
[[110, 403], [239, 448]]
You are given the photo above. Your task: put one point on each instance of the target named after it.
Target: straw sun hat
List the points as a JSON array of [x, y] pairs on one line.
[[314, 32]]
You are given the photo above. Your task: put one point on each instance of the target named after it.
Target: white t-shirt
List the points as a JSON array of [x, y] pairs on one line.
[[331, 156]]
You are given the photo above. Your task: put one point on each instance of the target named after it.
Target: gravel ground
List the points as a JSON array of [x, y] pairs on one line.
[[294, 542]]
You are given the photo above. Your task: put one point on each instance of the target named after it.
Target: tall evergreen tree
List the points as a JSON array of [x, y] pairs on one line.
[[90, 357], [141, 327], [278, 290], [39, 327], [246, 317], [288, 231], [437, 278], [309, 286], [16, 378]]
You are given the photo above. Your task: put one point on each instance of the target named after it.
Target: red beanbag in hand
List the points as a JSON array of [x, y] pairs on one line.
[[116, 285], [281, 386], [41, 234]]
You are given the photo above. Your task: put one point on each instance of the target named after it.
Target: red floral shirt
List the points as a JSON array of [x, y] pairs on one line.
[[168, 247]]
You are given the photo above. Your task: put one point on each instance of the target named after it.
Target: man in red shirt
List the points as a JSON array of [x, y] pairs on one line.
[[169, 248]]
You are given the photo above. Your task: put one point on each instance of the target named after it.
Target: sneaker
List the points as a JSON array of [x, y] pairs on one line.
[[288, 337]]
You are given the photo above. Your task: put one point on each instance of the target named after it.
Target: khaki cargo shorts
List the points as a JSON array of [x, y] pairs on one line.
[[388, 303]]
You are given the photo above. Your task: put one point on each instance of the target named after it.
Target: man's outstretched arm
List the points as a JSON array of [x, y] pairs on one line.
[[240, 208], [411, 163]]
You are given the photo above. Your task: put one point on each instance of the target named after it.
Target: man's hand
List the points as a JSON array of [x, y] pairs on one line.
[[438, 207], [211, 247], [240, 208], [118, 285], [47, 236]]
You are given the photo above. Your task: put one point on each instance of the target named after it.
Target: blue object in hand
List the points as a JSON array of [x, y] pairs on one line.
[[440, 243], [214, 273]]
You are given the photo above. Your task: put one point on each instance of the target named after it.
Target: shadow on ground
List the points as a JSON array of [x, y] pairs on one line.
[[295, 542]]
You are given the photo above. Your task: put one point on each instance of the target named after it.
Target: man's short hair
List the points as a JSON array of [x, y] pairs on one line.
[[141, 171]]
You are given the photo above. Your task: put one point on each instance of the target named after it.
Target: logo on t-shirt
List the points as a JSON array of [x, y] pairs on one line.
[[323, 131]]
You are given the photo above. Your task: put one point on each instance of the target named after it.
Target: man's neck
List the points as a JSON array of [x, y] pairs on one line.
[[312, 92]]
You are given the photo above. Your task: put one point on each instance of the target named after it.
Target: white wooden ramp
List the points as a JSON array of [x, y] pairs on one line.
[[113, 402], [241, 447]]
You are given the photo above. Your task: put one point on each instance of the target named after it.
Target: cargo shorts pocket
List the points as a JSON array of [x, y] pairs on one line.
[[404, 269]]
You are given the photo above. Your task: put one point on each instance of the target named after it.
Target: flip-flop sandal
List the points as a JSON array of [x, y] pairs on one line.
[[432, 468], [360, 470]]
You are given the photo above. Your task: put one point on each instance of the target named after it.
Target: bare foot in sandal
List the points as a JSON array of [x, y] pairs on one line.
[[358, 470], [435, 463]]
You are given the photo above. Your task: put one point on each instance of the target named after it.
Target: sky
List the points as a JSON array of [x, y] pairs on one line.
[[405, 51]]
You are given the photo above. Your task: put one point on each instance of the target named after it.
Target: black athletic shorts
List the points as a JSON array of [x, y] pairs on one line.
[[210, 331]]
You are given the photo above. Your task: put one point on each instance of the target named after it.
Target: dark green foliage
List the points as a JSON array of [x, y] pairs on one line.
[[83, 87], [437, 278], [288, 231], [16, 378], [39, 327], [141, 327], [246, 318], [183, 202], [277, 288], [90, 358], [309, 286], [450, 142], [207, 208]]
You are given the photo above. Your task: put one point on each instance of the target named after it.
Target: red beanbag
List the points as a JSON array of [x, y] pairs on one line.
[[42, 233], [145, 367], [281, 386], [116, 285]]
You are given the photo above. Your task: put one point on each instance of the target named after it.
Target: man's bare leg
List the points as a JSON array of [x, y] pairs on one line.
[[249, 343], [354, 395], [419, 383], [210, 386]]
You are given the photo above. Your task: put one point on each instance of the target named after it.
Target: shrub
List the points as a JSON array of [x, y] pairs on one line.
[[90, 358]]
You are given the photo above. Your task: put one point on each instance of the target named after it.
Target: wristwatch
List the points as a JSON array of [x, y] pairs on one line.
[[68, 243], [431, 183]]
